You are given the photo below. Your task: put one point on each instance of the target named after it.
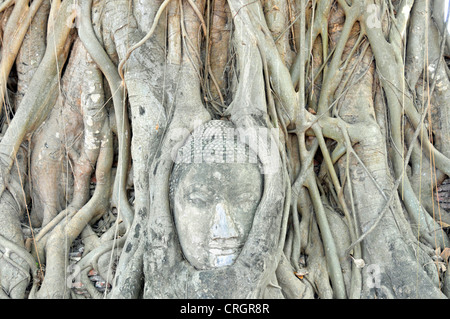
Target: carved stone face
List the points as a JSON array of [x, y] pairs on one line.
[[213, 206]]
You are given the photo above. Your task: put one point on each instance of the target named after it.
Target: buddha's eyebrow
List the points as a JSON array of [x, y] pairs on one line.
[[195, 188], [246, 186]]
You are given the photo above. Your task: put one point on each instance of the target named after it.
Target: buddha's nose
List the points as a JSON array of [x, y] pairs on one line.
[[223, 226]]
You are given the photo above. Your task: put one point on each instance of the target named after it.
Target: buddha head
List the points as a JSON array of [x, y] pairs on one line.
[[214, 195]]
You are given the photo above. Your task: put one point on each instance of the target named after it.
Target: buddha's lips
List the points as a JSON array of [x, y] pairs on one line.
[[224, 250]]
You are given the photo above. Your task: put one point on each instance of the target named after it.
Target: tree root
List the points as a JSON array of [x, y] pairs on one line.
[[56, 254], [35, 106]]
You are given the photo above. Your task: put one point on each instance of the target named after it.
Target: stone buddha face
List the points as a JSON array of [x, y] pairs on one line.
[[213, 206]]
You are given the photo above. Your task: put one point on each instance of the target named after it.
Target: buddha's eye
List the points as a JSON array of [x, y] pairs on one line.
[[246, 197], [198, 197]]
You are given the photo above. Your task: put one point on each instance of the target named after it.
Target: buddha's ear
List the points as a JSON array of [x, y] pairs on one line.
[[269, 225], [441, 10]]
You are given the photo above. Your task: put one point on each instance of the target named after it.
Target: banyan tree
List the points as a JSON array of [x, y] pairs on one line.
[[224, 149]]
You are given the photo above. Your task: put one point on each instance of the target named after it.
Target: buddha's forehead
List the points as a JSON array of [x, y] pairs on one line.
[[222, 176], [214, 157]]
